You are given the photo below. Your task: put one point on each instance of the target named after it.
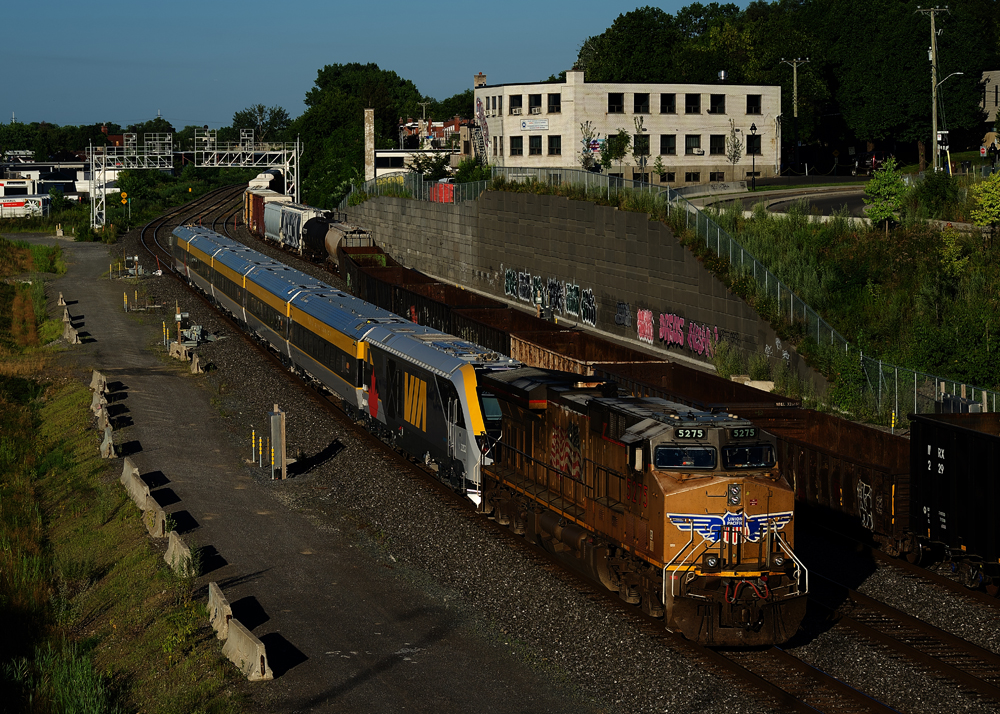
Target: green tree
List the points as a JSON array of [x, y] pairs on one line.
[[470, 170], [431, 166], [616, 148], [457, 105], [636, 48], [986, 208], [734, 146], [587, 136], [268, 123], [885, 190], [156, 125]]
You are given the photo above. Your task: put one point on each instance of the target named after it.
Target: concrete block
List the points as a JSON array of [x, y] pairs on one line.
[[155, 518], [247, 652], [61, 302], [136, 487], [219, 611], [179, 351], [178, 555], [66, 317], [102, 420], [98, 402], [108, 444], [196, 367], [98, 382]]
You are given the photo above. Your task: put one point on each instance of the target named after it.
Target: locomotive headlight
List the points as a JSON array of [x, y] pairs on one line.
[[735, 494], [712, 562], [779, 561]]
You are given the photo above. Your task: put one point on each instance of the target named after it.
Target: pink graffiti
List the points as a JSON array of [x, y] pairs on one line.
[[700, 339], [672, 329], [644, 325]]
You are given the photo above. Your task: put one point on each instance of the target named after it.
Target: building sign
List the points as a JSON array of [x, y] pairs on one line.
[[534, 125]]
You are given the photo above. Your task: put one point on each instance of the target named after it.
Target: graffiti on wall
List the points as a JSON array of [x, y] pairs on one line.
[[588, 308], [557, 295], [644, 325], [623, 315], [573, 300], [524, 286], [700, 339], [671, 329]]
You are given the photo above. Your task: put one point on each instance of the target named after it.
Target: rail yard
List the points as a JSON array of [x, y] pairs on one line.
[[565, 629]]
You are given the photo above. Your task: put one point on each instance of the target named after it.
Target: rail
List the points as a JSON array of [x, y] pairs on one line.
[[888, 389]]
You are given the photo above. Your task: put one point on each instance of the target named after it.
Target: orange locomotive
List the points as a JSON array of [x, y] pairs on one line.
[[682, 512]]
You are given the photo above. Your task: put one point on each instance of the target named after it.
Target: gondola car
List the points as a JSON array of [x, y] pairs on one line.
[[415, 387], [683, 512]]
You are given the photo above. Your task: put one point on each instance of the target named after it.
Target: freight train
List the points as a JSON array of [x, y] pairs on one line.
[[683, 512], [861, 479]]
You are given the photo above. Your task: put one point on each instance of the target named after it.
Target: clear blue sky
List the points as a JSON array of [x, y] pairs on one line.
[[199, 62]]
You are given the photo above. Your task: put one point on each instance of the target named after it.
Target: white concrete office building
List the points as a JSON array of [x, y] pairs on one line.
[[538, 125]]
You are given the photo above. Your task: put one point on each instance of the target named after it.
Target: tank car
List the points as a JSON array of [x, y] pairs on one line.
[[682, 512]]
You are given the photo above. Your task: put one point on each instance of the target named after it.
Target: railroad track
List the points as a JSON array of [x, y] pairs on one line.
[[197, 210], [932, 649]]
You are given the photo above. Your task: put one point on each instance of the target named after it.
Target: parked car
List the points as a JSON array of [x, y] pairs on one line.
[[871, 163]]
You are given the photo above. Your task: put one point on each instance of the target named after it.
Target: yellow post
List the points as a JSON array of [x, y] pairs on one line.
[[253, 442], [125, 298]]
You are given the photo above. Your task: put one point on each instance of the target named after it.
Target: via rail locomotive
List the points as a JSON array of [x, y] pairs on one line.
[[682, 512], [413, 386]]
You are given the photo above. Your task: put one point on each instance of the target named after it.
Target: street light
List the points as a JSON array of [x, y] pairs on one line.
[[753, 154]]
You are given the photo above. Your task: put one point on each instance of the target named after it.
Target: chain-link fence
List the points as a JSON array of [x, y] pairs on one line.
[[889, 391]]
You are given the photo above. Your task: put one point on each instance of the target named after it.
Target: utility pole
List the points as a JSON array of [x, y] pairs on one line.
[[423, 123], [933, 11], [794, 63]]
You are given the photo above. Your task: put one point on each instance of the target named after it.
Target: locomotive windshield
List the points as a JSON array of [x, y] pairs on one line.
[[684, 457], [758, 456], [491, 412]]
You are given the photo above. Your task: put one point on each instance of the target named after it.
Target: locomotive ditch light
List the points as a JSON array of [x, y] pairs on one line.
[[712, 562], [779, 561], [735, 494]]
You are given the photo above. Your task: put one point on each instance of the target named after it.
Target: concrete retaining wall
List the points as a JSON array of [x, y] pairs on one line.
[[611, 271], [247, 652]]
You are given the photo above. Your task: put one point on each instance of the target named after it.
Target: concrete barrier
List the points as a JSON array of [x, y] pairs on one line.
[[98, 382], [61, 302], [178, 556], [70, 334], [108, 444], [98, 402], [137, 489], [66, 317], [179, 351], [247, 652], [155, 518], [102, 420], [196, 367], [219, 611]]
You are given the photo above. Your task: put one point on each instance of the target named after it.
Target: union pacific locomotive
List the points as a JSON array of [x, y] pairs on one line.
[[682, 512]]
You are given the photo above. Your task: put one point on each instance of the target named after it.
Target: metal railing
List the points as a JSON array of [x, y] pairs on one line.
[[891, 389]]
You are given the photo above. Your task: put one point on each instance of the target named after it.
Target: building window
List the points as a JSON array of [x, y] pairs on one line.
[[640, 145], [640, 103], [717, 104], [719, 176], [668, 104], [534, 104], [692, 176], [753, 104], [616, 103], [517, 146], [717, 144], [668, 144], [692, 145], [668, 177], [555, 145], [494, 103], [753, 145], [534, 146], [555, 103], [494, 146], [636, 176], [692, 104], [753, 174], [515, 103], [500, 105]]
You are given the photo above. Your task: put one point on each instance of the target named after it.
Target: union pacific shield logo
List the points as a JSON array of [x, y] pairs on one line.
[[729, 527]]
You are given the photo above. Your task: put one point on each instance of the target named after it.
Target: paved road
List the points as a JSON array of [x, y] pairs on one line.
[[341, 635], [826, 200]]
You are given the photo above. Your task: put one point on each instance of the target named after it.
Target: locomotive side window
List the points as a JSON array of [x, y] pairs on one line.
[[491, 409], [448, 395], [684, 457], [759, 456]]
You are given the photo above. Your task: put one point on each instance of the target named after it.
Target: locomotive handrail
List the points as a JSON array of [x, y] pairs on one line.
[[670, 564], [803, 570]]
